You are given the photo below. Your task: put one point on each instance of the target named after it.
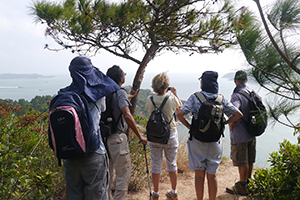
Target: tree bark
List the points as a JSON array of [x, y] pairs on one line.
[[140, 75]]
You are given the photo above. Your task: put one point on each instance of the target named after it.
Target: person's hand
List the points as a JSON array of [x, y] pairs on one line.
[[133, 92], [231, 125], [144, 140], [173, 90]]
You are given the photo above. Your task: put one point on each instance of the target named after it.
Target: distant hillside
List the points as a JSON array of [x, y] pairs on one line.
[[229, 76], [23, 76]]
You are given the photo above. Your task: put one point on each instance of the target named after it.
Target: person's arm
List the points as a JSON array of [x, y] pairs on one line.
[[174, 91], [233, 118], [180, 115], [131, 123]]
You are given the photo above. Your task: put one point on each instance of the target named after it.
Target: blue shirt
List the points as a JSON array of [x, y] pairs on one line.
[[239, 133], [193, 104], [96, 113]]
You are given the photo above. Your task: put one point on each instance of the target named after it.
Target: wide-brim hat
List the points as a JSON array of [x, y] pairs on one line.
[[89, 80]]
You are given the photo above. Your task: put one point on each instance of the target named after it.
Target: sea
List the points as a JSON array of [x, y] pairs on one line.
[[185, 84]]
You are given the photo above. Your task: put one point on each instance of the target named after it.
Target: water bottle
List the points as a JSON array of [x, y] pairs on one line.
[[253, 120], [109, 120]]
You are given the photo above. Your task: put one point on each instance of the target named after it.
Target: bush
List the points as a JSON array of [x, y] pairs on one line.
[[282, 179], [139, 173], [28, 167]]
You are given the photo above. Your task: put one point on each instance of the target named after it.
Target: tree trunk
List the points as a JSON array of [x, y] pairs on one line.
[[140, 75]]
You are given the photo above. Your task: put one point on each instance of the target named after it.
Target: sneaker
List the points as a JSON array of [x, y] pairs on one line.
[[170, 195], [155, 196], [240, 188]]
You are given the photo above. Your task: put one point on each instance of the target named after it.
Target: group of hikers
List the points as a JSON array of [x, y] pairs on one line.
[[91, 176]]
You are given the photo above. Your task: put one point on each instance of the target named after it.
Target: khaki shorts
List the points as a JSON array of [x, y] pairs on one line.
[[243, 154]]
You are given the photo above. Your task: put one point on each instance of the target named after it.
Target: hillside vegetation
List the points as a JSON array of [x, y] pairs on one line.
[[29, 169]]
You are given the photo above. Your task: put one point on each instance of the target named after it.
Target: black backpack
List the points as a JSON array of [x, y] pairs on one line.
[[158, 127], [108, 124], [71, 128], [209, 126], [257, 121]]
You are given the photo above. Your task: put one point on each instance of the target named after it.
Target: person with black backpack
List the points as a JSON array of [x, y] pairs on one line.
[[205, 148], [162, 133], [117, 141], [243, 143], [79, 142]]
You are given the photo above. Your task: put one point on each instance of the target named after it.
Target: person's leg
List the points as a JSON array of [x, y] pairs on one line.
[[212, 186], [171, 164], [239, 156], [251, 156], [173, 179], [119, 153], [94, 171], [155, 180], [214, 158], [111, 178], [243, 171], [74, 182], [250, 168], [199, 183], [156, 160]]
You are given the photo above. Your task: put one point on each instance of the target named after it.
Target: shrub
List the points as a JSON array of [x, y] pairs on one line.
[[28, 169], [282, 179], [139, 173]]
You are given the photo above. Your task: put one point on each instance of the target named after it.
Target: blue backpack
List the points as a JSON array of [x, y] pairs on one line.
[[71, 128]]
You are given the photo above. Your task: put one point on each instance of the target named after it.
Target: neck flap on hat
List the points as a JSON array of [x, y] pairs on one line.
[[89, 80], [209, 82]]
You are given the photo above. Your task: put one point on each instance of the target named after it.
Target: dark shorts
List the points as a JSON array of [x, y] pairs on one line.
[[243, 154]]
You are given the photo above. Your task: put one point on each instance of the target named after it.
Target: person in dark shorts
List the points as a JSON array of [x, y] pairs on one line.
[[243, 145]]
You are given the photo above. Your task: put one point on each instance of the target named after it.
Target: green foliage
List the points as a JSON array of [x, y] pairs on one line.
[[274, 57], [141, 109], [36, 104], [282, 180], [28, 167], [124, 27], [139, 178]]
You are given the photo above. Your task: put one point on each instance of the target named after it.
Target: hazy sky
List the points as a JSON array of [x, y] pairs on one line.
[[22, 50]]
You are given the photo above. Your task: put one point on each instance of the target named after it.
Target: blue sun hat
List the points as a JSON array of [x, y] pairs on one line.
[[89, 80], [209, 81]]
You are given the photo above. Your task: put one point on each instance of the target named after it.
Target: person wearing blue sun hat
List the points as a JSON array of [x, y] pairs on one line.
[[87, 177]]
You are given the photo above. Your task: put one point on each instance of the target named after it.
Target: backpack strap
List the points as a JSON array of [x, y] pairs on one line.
[[202, 98], [161, 106], [245, 94]]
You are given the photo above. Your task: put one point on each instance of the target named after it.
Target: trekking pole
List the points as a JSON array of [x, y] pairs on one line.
[[147, 170]]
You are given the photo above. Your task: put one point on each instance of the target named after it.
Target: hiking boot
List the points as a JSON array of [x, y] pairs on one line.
[[155, 196], [170, 195], [240, 188]]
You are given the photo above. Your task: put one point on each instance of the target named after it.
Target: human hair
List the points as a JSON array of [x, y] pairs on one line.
[[115, 73], [240, 76], [160, 83]]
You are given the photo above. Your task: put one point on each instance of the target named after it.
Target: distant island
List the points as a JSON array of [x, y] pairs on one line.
[[23, 76], [229, 76]]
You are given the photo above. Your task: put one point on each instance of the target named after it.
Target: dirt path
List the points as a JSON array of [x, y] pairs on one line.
[[227, 176]]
